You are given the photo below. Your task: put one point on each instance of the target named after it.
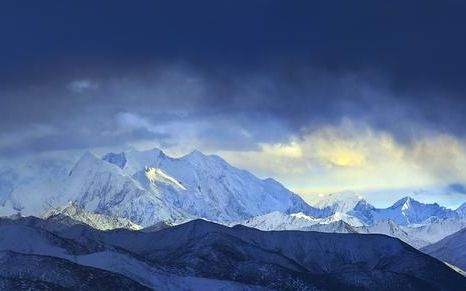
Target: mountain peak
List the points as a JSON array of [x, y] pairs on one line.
[[197, 157], [462, 206], [133, 160], [405, 202], [153, 153], [116, 159], [195, 154], [461, 210], [71, 208], [340, 201], [73, 211], [87, 160], [157, 151], [89, 156]]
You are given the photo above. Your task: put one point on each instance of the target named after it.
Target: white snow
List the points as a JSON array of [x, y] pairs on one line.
[[148, 187], [137, 189], [95, 220]]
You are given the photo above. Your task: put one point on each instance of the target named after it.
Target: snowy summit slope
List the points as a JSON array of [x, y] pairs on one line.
[[147, 187], [350, 213], [207, 186], [405, 211], [72, 213], [341, 202]]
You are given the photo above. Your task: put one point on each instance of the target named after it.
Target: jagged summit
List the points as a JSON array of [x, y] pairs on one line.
[[147, 187], [151, 151], [194, 154], [207, 186], [404, 202], [116, 159], [70, 208], [87, 161], [340, 202], [98, 221], [404, 211], [133, 160], [461, 210]]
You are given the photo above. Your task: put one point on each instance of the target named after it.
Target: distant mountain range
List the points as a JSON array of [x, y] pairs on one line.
[[429, 222], [405, 211], [133, 218], [148, 189], [201, 255]]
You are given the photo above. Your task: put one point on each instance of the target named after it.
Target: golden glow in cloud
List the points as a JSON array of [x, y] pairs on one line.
[[352, 156]]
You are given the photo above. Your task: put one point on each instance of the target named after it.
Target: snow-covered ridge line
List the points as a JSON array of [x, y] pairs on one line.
[[148, 187], [405, 211], [95, 220], [192, 256], [415, 235]]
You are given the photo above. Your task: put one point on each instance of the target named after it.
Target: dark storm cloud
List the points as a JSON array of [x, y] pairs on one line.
[[237, 72]]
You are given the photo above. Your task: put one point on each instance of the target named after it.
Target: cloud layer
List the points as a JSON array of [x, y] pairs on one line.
[[354, 156], [323, 96]]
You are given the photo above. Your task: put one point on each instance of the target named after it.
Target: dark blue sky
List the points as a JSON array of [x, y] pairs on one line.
[[230, 75], [414, 49], [412, 41]]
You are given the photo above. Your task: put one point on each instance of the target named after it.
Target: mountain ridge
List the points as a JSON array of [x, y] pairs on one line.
[[150, 187]]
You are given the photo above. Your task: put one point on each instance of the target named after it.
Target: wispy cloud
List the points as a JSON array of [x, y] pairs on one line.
[[83, 85], [355, 156]]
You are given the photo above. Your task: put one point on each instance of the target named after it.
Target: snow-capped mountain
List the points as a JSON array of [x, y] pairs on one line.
[[409, 211], [338, 223], [405, 211], [149, 187], [436, 229], [281, 221], [34, 184], [207, 186], [72, 212], [341, 202], [392, 229], [462, 210], [340, 216], [416, 236], [101, 187], [338, 226]]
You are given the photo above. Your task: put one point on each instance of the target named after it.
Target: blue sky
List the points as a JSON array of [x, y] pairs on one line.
[[324, 96]]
